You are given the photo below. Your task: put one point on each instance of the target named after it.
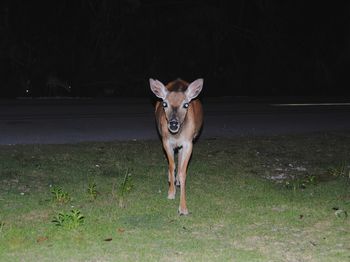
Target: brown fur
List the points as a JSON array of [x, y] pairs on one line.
[[178, 85]]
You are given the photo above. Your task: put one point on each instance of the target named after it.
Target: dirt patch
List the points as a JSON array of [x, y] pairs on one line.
[[36, 215]]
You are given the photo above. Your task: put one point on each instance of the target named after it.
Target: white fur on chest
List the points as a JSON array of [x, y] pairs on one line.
[[177, 141]]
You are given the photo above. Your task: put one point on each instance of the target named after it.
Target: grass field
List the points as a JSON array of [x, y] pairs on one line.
[[282, 198]]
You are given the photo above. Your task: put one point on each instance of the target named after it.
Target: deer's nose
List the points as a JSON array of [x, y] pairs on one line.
[[174, 125]]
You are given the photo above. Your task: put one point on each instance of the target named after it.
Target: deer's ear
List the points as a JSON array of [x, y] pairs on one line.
[[158, 88], [194, 89]]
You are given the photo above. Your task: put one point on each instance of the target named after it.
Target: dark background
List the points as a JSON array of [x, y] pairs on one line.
[[111, 48]]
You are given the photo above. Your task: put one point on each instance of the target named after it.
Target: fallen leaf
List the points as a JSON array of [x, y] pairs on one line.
[[341, 213], [41, 239], [108, 239], [121, 230], [313, 243]]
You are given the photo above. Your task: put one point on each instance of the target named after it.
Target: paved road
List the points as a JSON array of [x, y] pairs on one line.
[[71, 121]]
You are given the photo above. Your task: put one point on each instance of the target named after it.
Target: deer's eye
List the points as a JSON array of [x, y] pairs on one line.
[[165, 104], [186, 105]]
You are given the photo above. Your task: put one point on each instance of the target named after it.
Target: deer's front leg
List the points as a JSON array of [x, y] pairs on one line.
[[171, 171], [184, 157]]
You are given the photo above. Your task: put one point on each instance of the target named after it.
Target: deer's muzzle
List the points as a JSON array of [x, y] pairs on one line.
[[173, 126]]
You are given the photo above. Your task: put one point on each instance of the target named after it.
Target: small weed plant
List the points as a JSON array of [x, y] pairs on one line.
[[301, 183], [92, 191], [59, 195], [124, 189], [340, 170], [2, 226], [70, 220]]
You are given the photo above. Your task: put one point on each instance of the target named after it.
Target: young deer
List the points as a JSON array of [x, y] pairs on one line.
[[179, 118], [56, 87]]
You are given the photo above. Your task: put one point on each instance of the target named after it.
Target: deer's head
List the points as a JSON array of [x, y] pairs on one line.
[[176, 99]]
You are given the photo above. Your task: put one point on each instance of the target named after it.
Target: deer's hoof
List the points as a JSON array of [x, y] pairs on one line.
[[171, 195], [183, 212]]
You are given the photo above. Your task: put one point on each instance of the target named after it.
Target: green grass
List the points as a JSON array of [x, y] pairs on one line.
[[251, 199]]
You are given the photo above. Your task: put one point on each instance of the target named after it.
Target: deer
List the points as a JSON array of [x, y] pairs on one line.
[[179, 119], [56, 86]]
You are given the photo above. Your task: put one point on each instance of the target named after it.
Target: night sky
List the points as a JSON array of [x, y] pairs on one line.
[[111, 48]]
